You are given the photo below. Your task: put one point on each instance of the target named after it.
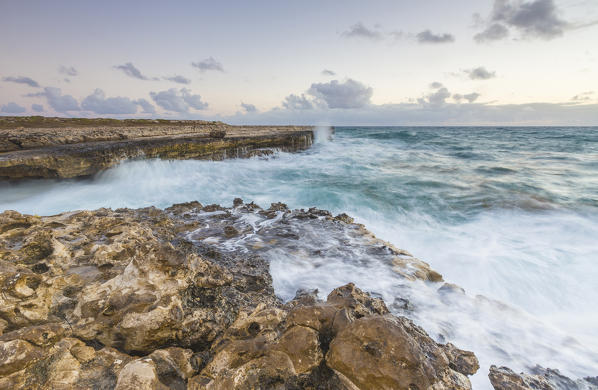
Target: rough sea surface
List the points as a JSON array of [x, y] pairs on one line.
[[509, 214]]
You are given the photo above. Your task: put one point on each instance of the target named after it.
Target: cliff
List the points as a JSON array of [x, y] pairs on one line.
[[67, 148]]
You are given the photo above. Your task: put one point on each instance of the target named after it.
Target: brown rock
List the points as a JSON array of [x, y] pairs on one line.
[[503, 378], [15, 355], [302, 346], [139, 374], [385, 352], [119, 284]]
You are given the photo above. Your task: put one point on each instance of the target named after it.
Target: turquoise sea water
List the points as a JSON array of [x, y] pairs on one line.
[[509, 214]]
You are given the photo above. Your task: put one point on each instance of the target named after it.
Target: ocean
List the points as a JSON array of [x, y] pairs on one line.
[[508, 214]]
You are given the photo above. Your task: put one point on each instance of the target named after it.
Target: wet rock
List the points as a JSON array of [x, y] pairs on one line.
[[461, 361], [450, 288], [123, 299], [230, 231], [344, 218], [503, 378]]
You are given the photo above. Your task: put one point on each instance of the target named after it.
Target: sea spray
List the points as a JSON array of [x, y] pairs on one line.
[[323, 134]]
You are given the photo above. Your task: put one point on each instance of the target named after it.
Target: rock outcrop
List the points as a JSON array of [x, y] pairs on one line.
[[503, 378], [123, 300], [73, 148]]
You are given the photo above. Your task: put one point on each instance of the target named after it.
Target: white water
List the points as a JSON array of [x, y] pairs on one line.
[[540, 259]]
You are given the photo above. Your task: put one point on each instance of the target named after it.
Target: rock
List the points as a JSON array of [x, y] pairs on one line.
[[503, 378], [15, 355], [301, 344], [461, 361], [385, 352], [139, 374], [69, 150], [123, 300], [217, 134]]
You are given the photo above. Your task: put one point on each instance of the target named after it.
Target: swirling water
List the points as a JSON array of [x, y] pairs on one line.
[[509, 214]]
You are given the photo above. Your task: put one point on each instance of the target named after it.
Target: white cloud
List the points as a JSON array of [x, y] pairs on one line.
[[98, 103], [347, 94], [180, 100]]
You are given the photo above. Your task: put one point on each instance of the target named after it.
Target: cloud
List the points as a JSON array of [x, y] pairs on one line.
[[493, 32], [328, 72], [295, 102], [56, 100], [470, 97], [413, 114], [98, 103], [130, 70], [428, 36], [436, 85], [178, 100], [532, 19], [22, 80], [358, 30], [178, 79], [348, 94], [436, 98], [248, 107], [37, 107], [12, 108], [147, 107], [479, 73], [208, 64], [68, 70]]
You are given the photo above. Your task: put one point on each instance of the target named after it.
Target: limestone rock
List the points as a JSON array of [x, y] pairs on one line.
[[385, 352], [503, 378], [122, 299]]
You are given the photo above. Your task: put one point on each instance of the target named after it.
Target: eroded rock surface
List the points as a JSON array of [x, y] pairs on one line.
[[503, 378], [75, 150], [124, 299]]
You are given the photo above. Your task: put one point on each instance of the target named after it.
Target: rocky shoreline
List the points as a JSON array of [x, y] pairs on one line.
[[69, 148], [136, 299]]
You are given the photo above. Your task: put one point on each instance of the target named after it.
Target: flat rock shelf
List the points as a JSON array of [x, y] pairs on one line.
[[69, 148]]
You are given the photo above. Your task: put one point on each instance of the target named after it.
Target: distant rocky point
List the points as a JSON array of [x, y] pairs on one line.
[[40, 147]]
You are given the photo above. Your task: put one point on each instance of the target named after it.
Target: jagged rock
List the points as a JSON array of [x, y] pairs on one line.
[[503, 378], [385, 352], [121, 299]]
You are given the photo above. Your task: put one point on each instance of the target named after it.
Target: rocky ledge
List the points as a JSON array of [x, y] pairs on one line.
[[182, 298], [122, 299], [68, 148]]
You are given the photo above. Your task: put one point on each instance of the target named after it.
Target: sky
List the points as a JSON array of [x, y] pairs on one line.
[[345, 62]]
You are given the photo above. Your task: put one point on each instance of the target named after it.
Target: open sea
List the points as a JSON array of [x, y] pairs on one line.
[[509, 214]]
